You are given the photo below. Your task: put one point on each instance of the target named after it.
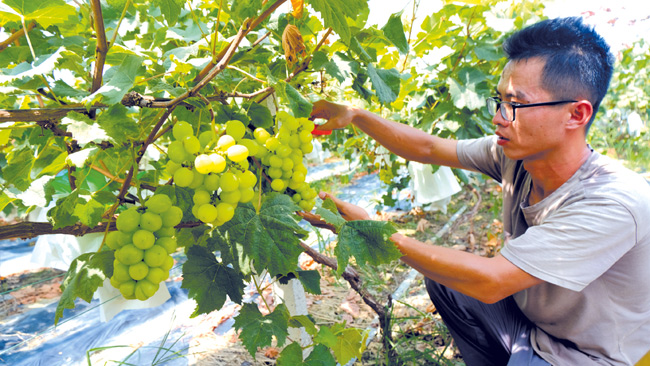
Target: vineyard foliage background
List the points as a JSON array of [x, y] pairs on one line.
[[90, 92]]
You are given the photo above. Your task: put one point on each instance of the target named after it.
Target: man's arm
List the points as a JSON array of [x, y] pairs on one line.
[[401, 139]]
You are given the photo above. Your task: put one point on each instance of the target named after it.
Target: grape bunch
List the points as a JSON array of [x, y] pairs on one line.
[[143, 244], [284, 162]]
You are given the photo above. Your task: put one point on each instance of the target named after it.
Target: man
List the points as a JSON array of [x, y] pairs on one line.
[[571, 285]]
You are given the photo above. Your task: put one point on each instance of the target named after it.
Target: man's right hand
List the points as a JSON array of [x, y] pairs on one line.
[[337, 115]]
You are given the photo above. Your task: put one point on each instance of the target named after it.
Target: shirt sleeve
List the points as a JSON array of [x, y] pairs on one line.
[[482, 155], [576, 244]]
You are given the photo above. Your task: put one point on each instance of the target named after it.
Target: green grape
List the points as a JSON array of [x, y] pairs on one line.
[[218, 163], [156, 275], [261, 135], [150, 221], [284, 135], [296, 156], [129, 254], [172, 217], [169, 263], [165, 231], [305, 136], [158, 203], [300, 168], [127, 289], [176, 152], [201, 196], [211, 182], [171, 167], [195, 211], [278, 185], [294, 142], [262, 152], [191, 144], [296, 186], [307, 147], [306, 205], [138, 271], [197, 180], [236, 129], [229, 182], [225, 142], [247, 194], [128, 220], [243, 165], [169, 244], [309, 194], [247, 179], [116, 239], [252, 146], [296, 197], [298, 177], [120, 271], [155, 256], [207, 213], [291, 123], [286, 174], [307, 125], [237, 153], [181, 130], [183, 177], [143, 239], [145, 289], [114, 282], [275, 161], [203, 164], [287, 164], [226, 211], [283, 151], [275, 173], [205, 138], [232, 197], [272, 143]]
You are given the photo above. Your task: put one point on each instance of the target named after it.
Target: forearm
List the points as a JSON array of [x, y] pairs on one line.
[[406, 141]]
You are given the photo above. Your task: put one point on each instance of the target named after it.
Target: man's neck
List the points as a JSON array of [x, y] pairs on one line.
[[548, 175]]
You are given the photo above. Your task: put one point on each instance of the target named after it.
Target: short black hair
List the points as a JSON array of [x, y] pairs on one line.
[[578, 60]]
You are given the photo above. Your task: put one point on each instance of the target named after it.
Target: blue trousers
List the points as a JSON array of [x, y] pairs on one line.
[[486, 334]]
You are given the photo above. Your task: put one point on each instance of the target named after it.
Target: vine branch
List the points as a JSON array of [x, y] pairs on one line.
[[102, 45], [16, 35]]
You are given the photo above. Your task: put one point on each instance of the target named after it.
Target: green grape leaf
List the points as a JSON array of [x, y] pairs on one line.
[[291, 355], [394, 31], [117, 124], [19, 169], [119, 80], [5, 200], [360, 51], [44, 12], [85, 275], [170, 10], [346, 343], [243, 9], [209, 282], [366, 240], [257, 330], [310, 280], [62, 214], [260, 115], [303, 321], [386, 83], [300, 106], [320, 356], [43, 65], [270, 238], [89, 213], [50, 160], [334, 13], [225, 113], [328, 212]]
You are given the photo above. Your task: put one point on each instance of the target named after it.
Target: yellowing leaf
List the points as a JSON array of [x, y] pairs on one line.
[[298, 6]]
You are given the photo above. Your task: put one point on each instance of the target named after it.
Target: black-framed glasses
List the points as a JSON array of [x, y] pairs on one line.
[[508, 108]]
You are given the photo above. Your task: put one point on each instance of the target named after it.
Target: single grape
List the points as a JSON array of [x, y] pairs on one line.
[[287, 164], [115, 283], [211, 182], [272, 143], [246, 194], [296, 156], [181, 130], [127, 289], [236, 129], [155, 256], [117, 239], [128, 220], [203, 164], [145, 289], [247, 179], [243, 165], [237, 153], [226, 211], [225, 142], [275, 161], [171, 167], [291, 123], [229, 182], [143, 239], [306, 205], [129, 254], [305, 136], [138, 271], [295, 142], [191, 144], [283, 151], [150, 221], [307, 147], [252, 146], [296, 197], [172, 217], [278, 185], [296, 186], [197, 180], [262, 152], [183, 177], [309, 194], [232, 197], [218, 163], [169, 263], [286, 174], [275, 173], [156, 275], [207, 213], [300, 168], [158, 203], [284, 135], [261, 135], [120, 271], [307, 125], [205, 138], [165, 231], [169, 244], [176, 152], [201, 196], [298, 177]]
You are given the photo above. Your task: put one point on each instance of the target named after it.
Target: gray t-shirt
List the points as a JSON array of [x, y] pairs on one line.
[[590, 243]]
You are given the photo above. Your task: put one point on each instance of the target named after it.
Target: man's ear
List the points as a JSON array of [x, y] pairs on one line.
[[581, 112]]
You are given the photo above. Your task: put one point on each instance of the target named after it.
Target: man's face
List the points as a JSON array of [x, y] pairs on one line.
[[537, 132]]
